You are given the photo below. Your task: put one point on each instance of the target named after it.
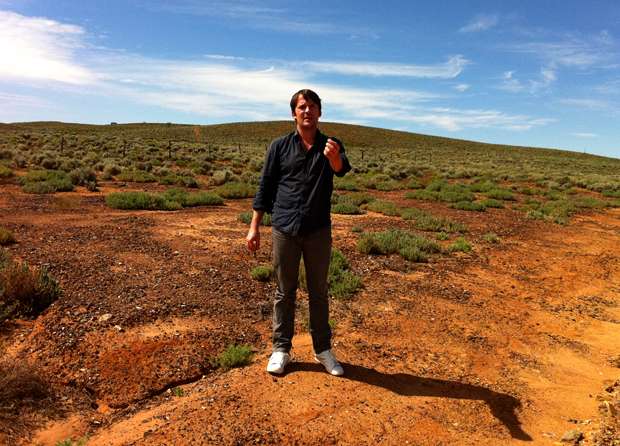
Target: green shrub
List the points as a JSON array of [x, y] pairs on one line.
[[35, 176], [500, 194], [6, 237], [346, 184], [413, 213], [70, 442], [456, 192], [467, 206], [389, 185], [137, 176], [25, 292], [571, 191], [492, 238], [141, 200], [357, 228], [61, 184], [590, 202], [414, 183], [186, 199], [83, 175], [169, 180], [460, 244], [442, 236], [436, 186], [236, 189], [346, 209], [263, 273], [492, 203], [246, 217], [6, 172], [483, 186], [528, 200], [422, 194], [384, 207], [405, 243], [610, 193], [233, 356], [553, 195], [357, 199], [38, 188], [438, 224]]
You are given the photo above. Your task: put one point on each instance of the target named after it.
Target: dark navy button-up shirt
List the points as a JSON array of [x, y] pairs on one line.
[[297, 186]]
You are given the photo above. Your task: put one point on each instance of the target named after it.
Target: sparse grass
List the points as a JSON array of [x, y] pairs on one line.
[[263, 273], [70, 442], [38, 188], [6, 237], [437, 224], [236, 190], [233, 356], [346, 209]]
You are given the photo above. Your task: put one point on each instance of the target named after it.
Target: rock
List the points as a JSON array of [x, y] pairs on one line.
[[105, 318], [571, 436]]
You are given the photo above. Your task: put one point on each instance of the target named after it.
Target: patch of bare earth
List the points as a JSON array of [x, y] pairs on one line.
[[504, 345]]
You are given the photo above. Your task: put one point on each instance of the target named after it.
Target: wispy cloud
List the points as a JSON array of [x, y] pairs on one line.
[[481, 22], [37, 49], [461, 87], [589, 103], [448, 70], [586, 135]]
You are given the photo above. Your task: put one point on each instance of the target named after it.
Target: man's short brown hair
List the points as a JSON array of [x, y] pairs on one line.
[[308, 95]]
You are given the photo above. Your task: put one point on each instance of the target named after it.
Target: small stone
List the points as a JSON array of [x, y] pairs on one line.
[[571, 436], [105, 318]]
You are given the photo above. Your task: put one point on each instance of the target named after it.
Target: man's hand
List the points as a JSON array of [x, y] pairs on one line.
[[332, 149], [253, 237]]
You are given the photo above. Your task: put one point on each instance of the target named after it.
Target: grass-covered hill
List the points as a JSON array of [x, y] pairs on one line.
[[373, 150]]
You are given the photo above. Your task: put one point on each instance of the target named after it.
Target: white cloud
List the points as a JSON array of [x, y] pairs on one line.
[[38, 49], [452, 68], [586, 135], [481, 22], [589, 103], [461, 87]]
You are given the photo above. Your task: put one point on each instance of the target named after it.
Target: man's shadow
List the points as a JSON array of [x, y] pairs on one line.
[[503, 407]]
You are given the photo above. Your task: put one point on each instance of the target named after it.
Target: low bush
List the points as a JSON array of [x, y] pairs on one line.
[[384, 207], [6, 172], [233, 356], [185, 199], [263, 273], [389, 185], [590, 202], [236, 189], [407, 244], [413, 213], [483, 186], [468, 206], [610, 193], [246, 217], [459, 244], [6, 237], [24, 291], [422, 194], [492, 238], [141, 201], [438, 224], [357, 199], [168, 180], [38, 188], [553, 195], [500, 194], [442, 236], [346, 184], [22, 390], [82, 176], [346, 209], [357, 228], [137, 176], [492, 203], [571, 191]]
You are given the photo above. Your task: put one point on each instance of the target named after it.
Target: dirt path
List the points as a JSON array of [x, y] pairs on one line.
[[503, 345]]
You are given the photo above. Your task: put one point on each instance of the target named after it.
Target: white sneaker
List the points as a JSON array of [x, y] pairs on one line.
[[328, 359], [278, 361]]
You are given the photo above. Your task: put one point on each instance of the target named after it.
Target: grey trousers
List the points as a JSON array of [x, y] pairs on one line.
[[287, 253]]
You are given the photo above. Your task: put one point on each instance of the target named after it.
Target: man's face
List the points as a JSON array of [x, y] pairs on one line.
[[306, 113]]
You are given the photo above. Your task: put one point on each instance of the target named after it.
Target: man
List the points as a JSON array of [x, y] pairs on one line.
[[296, 186]]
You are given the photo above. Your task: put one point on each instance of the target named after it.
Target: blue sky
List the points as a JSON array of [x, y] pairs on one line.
[[530, 73]]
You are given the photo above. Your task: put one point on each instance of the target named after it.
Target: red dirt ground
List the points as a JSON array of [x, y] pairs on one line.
[[508, 344]]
